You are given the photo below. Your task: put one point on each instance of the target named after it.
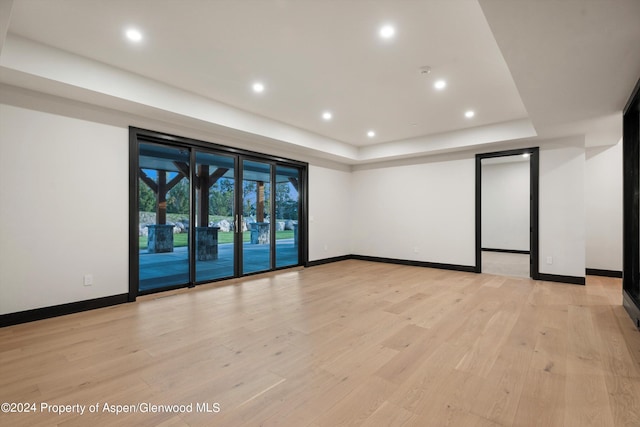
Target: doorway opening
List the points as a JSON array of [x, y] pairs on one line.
[[507, 212]]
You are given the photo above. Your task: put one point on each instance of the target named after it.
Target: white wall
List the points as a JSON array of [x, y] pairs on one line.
[[63, 211], [505, 205], [603, 202], [329, 212], [426, 211], [420, 212], [562, 209]]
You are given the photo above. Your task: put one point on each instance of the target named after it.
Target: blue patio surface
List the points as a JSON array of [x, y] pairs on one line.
[[172, 268]]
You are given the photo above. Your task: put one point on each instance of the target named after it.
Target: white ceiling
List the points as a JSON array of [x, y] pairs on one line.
[[527, 68]]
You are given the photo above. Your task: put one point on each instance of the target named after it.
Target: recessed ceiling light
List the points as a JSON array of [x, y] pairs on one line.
[[327, 115], [134, 35], [525, 155], [387, 31], [258, 87], [440, 84], [371, 134], [469, 114]]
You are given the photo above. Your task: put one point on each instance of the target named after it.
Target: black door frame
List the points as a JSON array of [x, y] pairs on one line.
[[302, 202], [631, 206], [534, 186], [239, 213], [192, 248], [137, 135]]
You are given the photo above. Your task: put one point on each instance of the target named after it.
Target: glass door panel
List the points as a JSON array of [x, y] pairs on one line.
[[256, 216], [215, 215], [286, 217], [164, 204]]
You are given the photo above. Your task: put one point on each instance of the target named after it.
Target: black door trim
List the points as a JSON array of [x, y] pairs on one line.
[[534, 186], [631, 205]]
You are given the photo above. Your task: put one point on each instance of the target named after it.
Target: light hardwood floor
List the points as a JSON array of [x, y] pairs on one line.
[[506, 264], [348, 343]]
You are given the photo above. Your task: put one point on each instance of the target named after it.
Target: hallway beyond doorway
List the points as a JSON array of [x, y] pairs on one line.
[[505, 264]]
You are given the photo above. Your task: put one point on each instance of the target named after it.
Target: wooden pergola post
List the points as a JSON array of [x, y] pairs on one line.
[[204, 181], [260, 202], [162, 187], [161, 207], [203, 199]]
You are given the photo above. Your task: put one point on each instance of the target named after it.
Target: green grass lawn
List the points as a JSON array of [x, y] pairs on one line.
[[180, 240]]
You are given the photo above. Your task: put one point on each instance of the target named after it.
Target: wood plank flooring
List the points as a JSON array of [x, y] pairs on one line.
[[352, 343], [506, 264]]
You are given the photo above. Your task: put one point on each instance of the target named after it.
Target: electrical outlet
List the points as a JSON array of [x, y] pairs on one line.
[[549, 260], [88, 279]]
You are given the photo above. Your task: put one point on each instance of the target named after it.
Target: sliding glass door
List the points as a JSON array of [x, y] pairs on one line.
[[163, 216], [256, 216], [207, 213], [215, 215], [287, 209]]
